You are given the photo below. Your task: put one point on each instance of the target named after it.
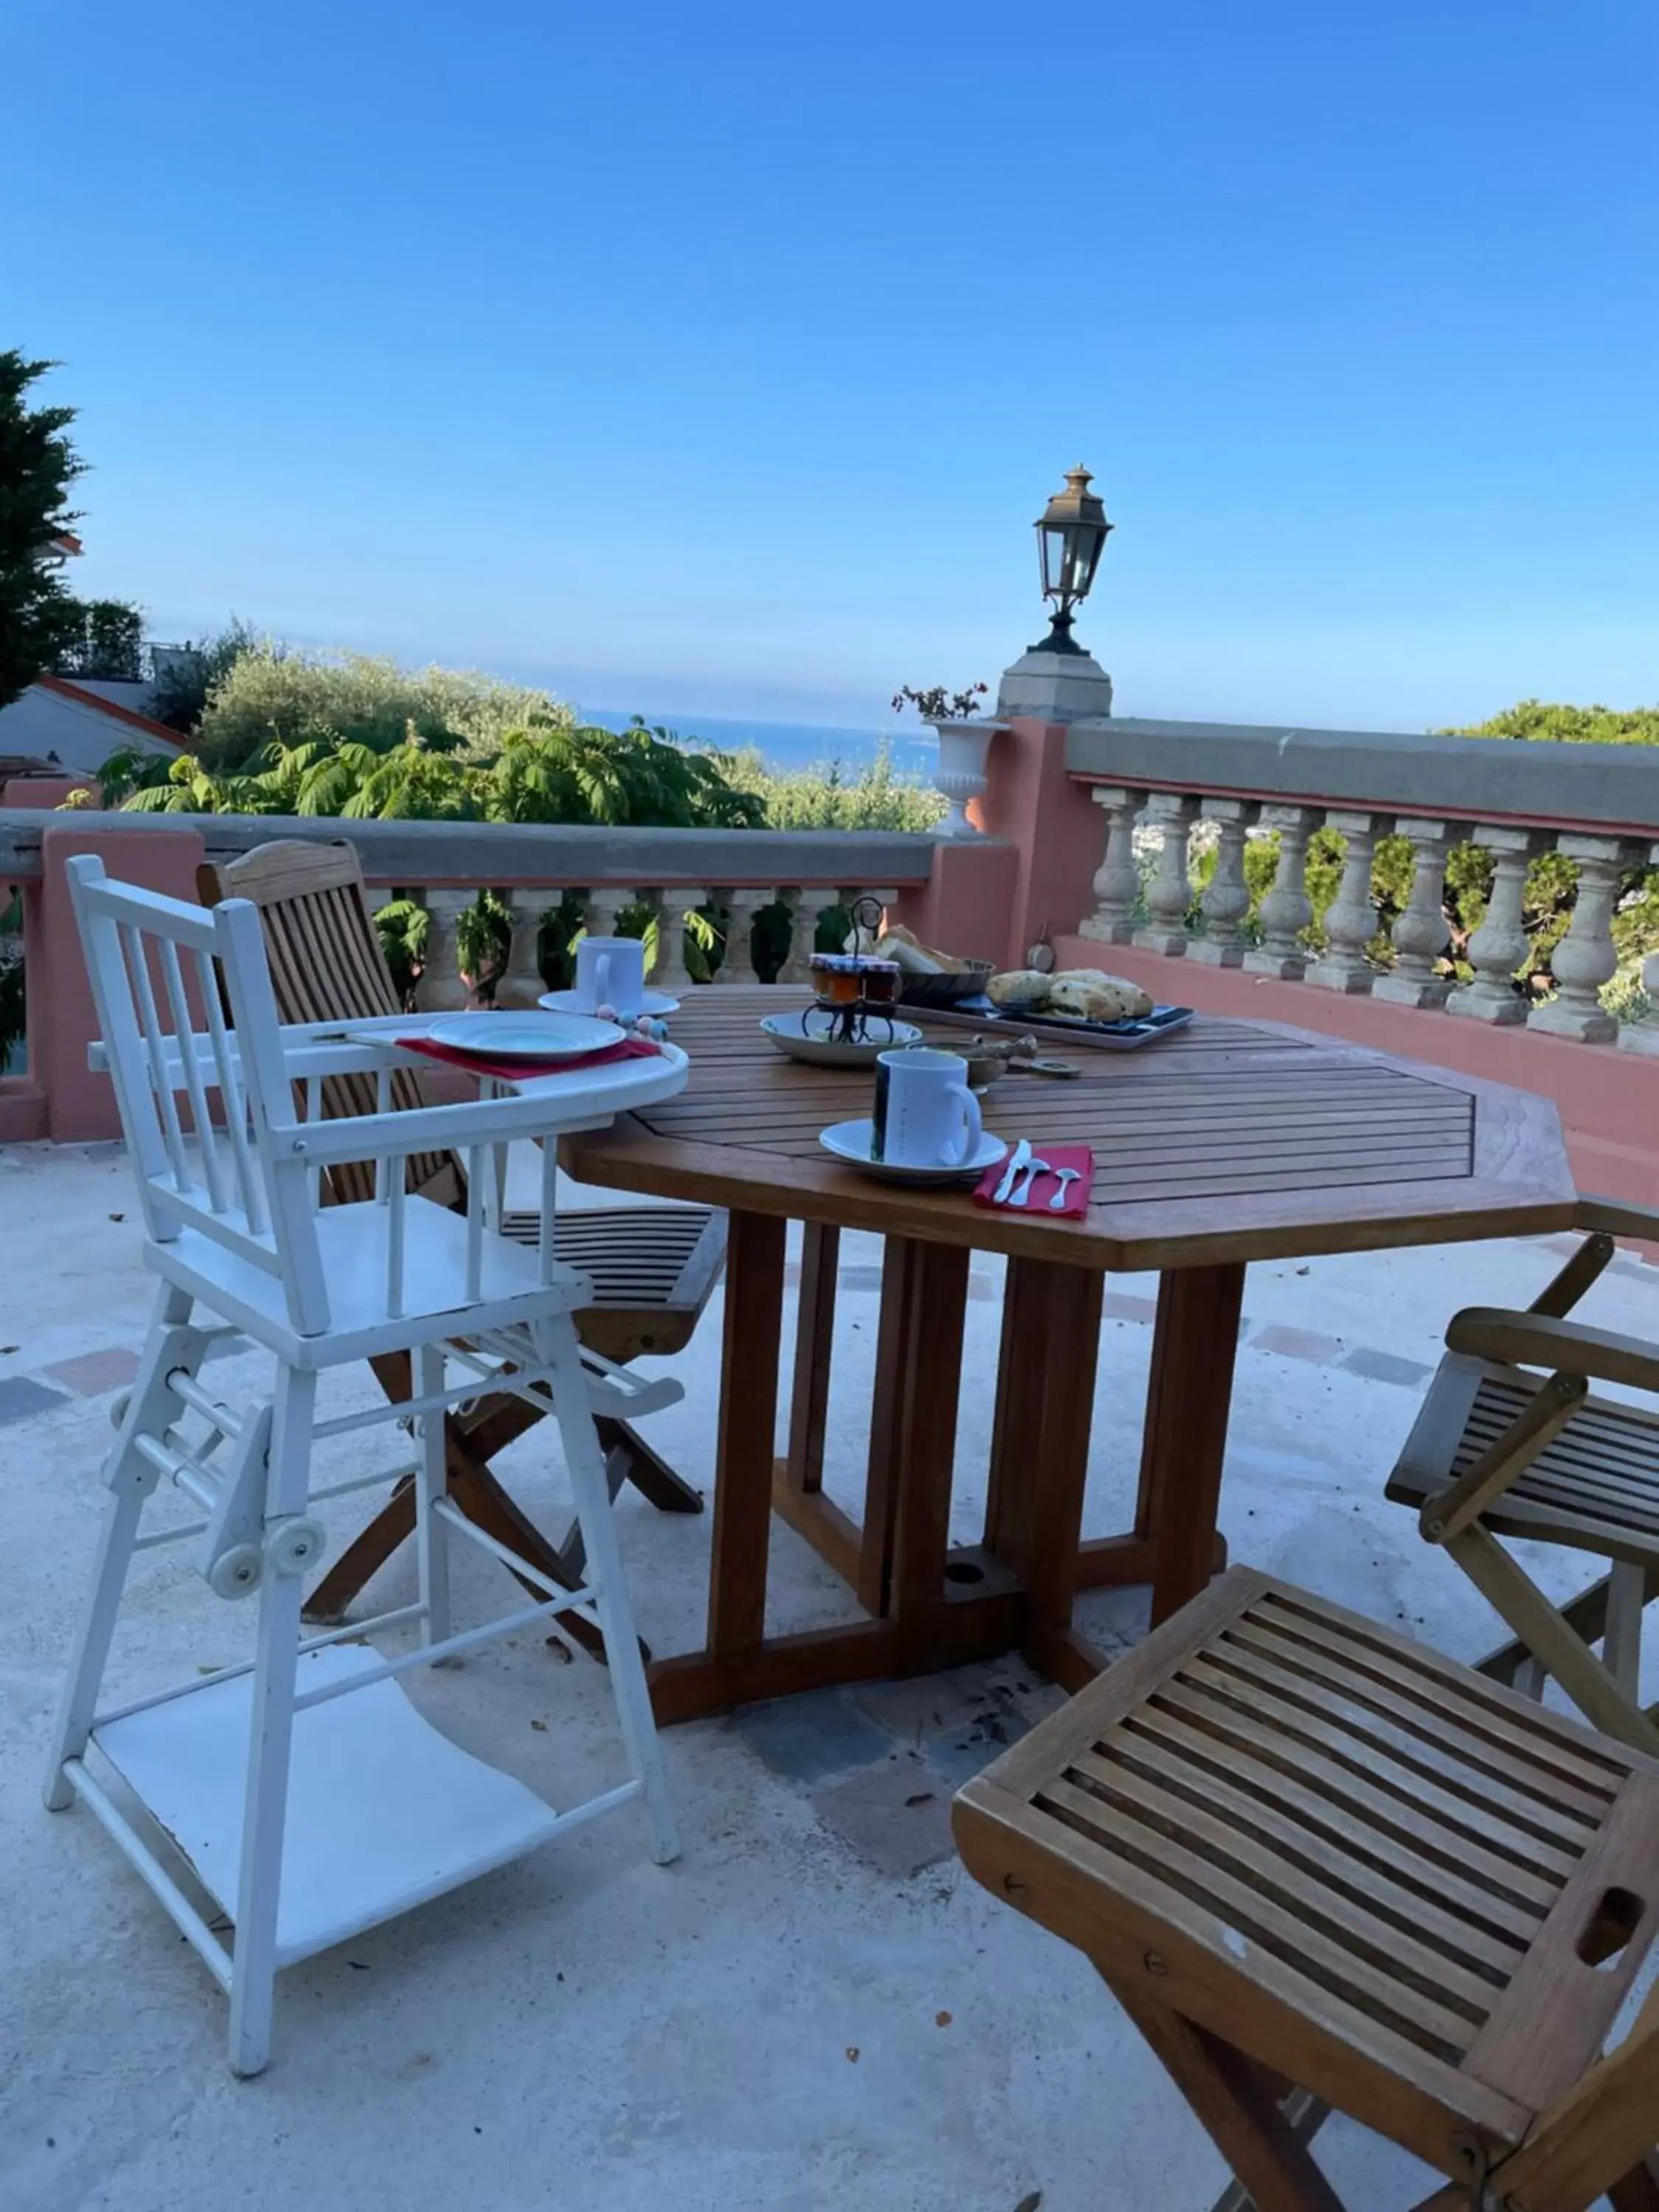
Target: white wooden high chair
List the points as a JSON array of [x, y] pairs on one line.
[[303, 1792]]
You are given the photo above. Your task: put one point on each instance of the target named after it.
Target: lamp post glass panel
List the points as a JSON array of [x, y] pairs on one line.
[[1071, 532]]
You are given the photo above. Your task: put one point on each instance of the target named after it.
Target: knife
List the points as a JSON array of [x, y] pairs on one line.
[[1016, 1160]]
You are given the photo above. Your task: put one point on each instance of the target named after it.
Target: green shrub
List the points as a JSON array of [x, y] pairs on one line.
[[270, 694], [878, 796]]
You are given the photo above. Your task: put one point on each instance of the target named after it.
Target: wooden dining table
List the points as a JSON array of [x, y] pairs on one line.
[[1225, 1142]]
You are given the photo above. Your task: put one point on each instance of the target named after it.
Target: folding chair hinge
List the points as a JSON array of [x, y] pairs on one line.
[[232, 1559], [152, 1410], [1475, 2160]]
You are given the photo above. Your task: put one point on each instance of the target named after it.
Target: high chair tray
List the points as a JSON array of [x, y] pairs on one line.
[[383, 1812]]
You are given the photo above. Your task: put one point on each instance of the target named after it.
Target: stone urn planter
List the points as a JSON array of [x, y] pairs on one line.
[[960, 774]]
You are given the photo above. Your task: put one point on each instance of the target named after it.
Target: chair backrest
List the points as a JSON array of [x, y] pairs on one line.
[[152, 964], [327, 965]]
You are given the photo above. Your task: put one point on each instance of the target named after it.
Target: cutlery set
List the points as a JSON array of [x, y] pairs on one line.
[[1020, 1178]]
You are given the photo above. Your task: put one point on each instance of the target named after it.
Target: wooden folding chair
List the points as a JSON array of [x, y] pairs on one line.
[[1324, 1869], [652, 1267], [1510, 1444]]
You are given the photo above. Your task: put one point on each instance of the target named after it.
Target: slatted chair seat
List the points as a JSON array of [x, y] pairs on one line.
[[1594, 1486], [652, 1266], [1510, 1444], [1323, 1867]]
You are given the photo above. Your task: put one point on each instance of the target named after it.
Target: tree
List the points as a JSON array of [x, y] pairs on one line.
[[1569, 726], [107, 640], [39, 618], [269, 693], [185, 678]]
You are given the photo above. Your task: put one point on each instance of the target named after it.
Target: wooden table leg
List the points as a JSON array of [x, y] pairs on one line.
[[1040, 1451], [924, 1394], [913, 1425], [739, 1663], [1018, 1413], [1194, 1343], [748, 1418], [797, 1495], [931, 1611], [815, 1325]]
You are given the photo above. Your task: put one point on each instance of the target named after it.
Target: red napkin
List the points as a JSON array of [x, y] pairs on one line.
[[1039, 1205], [512, 1069]]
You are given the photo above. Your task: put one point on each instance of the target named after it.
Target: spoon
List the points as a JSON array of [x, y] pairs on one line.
[[1066, 1177]]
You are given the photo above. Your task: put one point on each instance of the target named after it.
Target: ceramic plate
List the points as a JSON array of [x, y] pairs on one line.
[[656, 1003], [851, 1141], [525, 1036], [788, 1032]]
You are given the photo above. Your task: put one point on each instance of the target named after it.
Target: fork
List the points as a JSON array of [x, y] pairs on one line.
[[1033, 1168]]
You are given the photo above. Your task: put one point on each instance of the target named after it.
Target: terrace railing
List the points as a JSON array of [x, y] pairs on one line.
[[1596, 806], [737, 875]]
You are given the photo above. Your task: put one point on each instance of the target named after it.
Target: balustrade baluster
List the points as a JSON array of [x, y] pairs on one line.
[[802, 903], [1117, 880], [1422, 933], [1227, 900], [1351, 920], [1285, 911], [1499, 946], [1642, 1036], [520, 983], [440, 989], [605, 905], [1170, 894], [1586, 957], [670, 972], [740, 906]]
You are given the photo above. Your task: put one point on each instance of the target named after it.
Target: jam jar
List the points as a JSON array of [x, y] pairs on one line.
[[836, 978], [881, 981]]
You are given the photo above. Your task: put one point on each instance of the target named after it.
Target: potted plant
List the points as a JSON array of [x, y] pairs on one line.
[[963, 740]]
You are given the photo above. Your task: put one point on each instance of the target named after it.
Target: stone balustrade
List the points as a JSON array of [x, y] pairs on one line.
[[734, 911], [1164, 787], [756, 891]]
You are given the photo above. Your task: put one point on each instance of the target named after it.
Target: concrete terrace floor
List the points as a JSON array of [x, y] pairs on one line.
[[815, 2007]]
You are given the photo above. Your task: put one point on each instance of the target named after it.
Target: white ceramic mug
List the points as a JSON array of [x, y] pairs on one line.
[[926, 1115], [611, 972]]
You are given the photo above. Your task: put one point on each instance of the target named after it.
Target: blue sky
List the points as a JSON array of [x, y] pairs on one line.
[[717, 359]]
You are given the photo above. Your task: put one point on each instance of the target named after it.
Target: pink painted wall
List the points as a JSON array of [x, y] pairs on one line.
[[1608, 1100], [80, 1105], [964, 908], [23, 1112], [1057, 830], [43, 791]]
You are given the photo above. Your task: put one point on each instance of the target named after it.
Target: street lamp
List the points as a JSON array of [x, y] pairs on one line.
[[1071, 532]]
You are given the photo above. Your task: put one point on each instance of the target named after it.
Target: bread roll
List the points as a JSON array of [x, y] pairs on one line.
[[907, 950], [1096, 997], [1019, 986]]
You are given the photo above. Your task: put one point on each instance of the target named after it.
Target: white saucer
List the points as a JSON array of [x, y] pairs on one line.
[[525, 1036], [851, 1141], [792, 1038], [655, 1003]]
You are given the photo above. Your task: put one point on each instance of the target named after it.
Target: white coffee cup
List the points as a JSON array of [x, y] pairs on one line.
[[926, 1115], [611, 972]]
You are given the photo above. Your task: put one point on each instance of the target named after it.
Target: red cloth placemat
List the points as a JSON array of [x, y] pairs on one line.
[[512, 1071], [1039, 1204]]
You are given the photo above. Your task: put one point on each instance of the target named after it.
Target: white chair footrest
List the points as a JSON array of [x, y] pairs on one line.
[[355, 1759]]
